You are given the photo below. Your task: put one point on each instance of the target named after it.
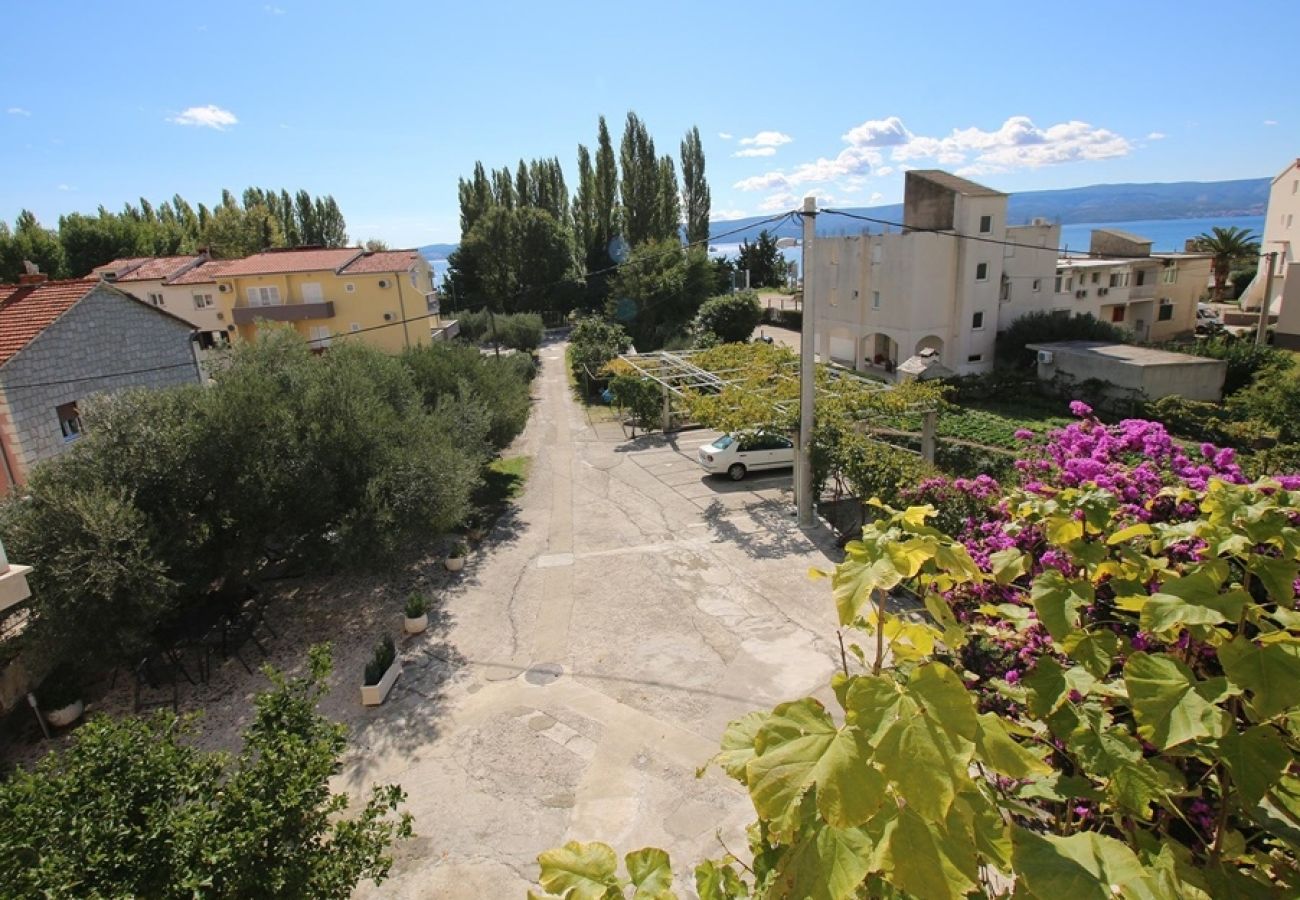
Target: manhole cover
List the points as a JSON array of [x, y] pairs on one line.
[[544, 673]]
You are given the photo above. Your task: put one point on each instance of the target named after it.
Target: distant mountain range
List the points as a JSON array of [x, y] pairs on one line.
[[1094, 203]]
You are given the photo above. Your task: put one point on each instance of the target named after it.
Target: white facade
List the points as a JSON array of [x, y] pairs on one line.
[[1281, 236], [883, 298]]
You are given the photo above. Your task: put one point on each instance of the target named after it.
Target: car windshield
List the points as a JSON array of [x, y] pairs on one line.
[[724, 442]]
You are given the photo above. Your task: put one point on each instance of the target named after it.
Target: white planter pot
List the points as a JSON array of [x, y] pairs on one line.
[[416, 625], [65, 716], [455, 563], [374, 694]]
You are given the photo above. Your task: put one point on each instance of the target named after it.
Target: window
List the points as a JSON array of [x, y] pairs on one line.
[[1169, 275], [1117, 314], [350, 287], [1141, 277], [1096, 277], [977, 321], [1058, 284], [986, 224], [264, 296], [156, 299], [1069, 284], [1166, 311], [875, 299], [320, 337], [1005, 294], [982, 272], [69, 421], [414, 283], [1116, 279], [1038, 285], [203, 301], [975, 357], [1289, 219]]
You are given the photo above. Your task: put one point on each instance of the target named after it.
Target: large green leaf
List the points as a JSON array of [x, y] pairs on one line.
[[1007, 565], [1270, 673], [874, 703], [1256, 759], [1058, 599], [866, 569], [580, 871], [924, 860], [651, 873], [1002, 753], [715, 881], [799, 747], [1278, 577], [1171, 707], [738, 744], [926, 753], [1094, 650], [1084, 866], [824, 864]]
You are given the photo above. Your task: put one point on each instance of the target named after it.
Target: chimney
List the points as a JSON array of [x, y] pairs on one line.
[[33, 278]]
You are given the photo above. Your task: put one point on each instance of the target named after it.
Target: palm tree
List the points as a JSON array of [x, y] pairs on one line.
[[1228, 246]]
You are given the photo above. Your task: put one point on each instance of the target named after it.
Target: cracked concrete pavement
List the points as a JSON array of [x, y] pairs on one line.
[[667, 602]]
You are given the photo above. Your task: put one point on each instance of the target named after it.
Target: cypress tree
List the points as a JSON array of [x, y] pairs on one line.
[[695, 188]]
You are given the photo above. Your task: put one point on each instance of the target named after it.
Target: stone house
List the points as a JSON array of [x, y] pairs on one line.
[[62, 341]]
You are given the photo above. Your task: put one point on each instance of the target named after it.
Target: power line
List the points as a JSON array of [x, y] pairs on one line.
[[1059, 251], [35, 384]]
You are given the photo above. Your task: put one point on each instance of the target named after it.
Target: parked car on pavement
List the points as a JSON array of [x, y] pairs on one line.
[[739, 453]]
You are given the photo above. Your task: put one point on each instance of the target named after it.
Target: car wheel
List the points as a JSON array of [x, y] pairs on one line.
[[736, 471]]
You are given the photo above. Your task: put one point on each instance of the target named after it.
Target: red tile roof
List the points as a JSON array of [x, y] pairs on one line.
[[119, 267], [276, 262], [382, 261], [28, 309], [205, 273], [158, 267]]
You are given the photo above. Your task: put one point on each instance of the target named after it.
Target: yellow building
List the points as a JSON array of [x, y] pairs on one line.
[[386, 298]]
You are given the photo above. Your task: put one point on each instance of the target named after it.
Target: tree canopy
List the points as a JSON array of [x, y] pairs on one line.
[[1229, 246]]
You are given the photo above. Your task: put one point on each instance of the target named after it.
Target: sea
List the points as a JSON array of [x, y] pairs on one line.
[[1165, 235]]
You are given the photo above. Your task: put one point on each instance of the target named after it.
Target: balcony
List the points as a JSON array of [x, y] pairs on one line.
[[1142, 291], [285, 312]]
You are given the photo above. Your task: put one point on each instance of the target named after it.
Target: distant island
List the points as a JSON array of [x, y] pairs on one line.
[[1093, 203]]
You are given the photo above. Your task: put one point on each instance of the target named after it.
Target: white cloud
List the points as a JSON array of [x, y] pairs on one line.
[[1266, 122], [17, 111], [725, 135], [1156, 136], [754, 151], [778, 201], [879, 133], [65, 187], [766, 139], [722, 215], [205, 117], [765, 182], [876, 198]]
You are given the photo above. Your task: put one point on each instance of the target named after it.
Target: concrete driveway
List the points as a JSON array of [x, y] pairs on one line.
[[589, 658]]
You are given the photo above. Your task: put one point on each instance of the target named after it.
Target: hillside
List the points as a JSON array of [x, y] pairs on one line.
[[1093, 203]]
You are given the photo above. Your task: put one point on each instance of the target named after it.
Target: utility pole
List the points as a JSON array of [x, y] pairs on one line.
[[807, 373], [1267, 303]]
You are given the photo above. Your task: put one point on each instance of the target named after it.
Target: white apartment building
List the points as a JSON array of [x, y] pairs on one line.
[[1281, 236], [1153, 295], [883, 298], [150, 278]]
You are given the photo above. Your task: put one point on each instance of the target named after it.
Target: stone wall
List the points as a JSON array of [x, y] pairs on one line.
[[104, 333]]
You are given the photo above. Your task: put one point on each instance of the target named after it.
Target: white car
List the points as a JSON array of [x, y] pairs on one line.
[[1206, 314], [751, 451]]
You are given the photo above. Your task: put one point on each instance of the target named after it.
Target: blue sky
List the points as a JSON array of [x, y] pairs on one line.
[[386, 104]]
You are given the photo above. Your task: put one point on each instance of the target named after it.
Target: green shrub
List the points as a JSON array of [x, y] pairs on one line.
[[731, 317], [519, 331], [483, 390], [381, 659], [641, 396], [594, 342], [1044, 327], [416, 605], [1247, 361]]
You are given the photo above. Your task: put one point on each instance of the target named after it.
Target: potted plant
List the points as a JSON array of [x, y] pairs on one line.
[[456, 558], [381, 673], [60, 696], [417, 614]]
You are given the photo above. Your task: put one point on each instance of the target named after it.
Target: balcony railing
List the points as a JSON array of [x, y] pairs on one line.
[[285, 312], [1142, 291]]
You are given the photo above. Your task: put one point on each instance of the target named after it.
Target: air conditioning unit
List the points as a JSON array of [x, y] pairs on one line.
[[1039, 220], [223, 288], [1046, 357], [383, 282]]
